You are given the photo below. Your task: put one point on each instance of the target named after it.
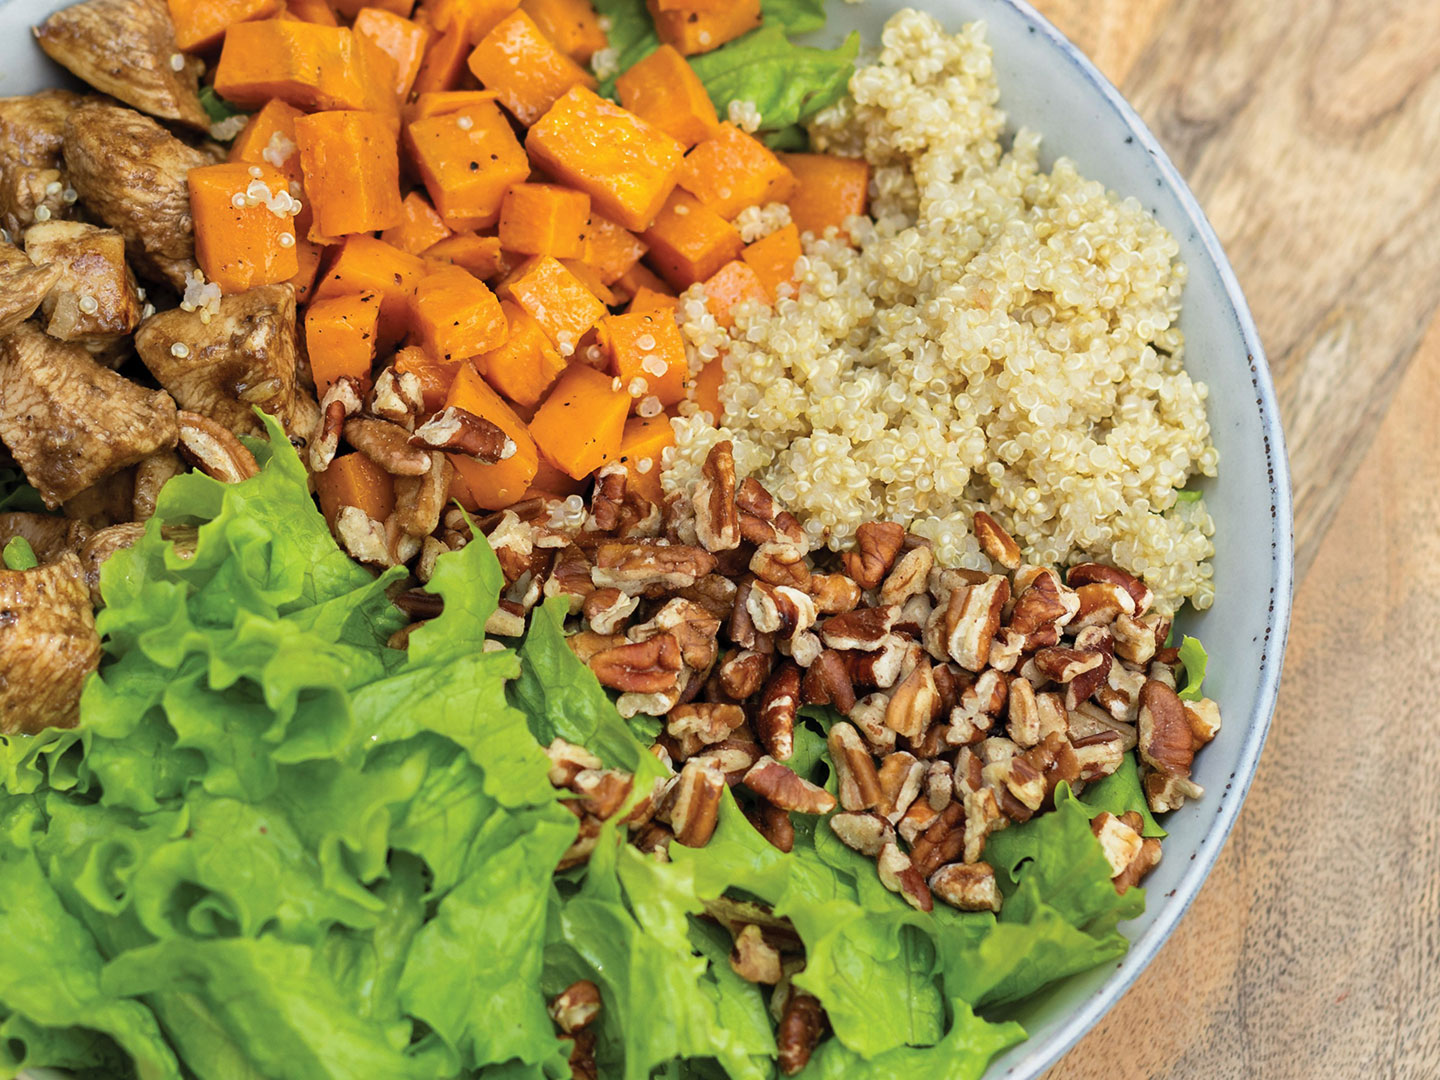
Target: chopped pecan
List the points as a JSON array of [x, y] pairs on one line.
[[459, 431], [868, 716], [1098, 755], [917, 819], [1093, 573], [785, 788], [1165, 793], [640, 566], [901, 775], [1020, 779], [706, 721], [645, 667], [584, 844], [773, 824], [1118, 841], [855, 775], [979, 706], [972, 618], [576, 1006], [214, 448], [607, 610], [568, 760], [863, 832], [801, 1025], [507, 620], [1203, 716], [997, 544], [1061, 663], [1101, 603], [1165, 739], [862, 630], [804, 648], [362, 536], [761, 519], [692, 626], [388, 445], [653, 838], [342, 400], [779, 704], [915, 615], [1147, 859], [397, 397], [602, 791], [913, 704], [827, 682], [877, 544], [582, 1055], [713, 592], [967, 886], [696, 802], [879, 667], [744, 673], [781, 563], [899, 875], [1043, 603], [753, 958], [587, 644], [570, 577], [982, 817], [1134, 641], [834, 594], [779, 609], [909, 578], [939, 785], [717, 521], [420, 500], [1024, 714], [941, 843]]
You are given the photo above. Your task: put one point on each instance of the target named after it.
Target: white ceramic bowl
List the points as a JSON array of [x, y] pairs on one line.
[[1048, 85]]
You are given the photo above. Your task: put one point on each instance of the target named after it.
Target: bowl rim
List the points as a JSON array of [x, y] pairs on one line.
[[1039, 1055]]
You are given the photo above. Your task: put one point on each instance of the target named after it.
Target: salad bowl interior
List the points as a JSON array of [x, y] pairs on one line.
[[1048, 86]]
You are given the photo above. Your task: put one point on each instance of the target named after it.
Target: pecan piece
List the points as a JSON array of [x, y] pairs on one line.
[[761, 519], [1093, 573], [862, 832], [695, 804], [1134, 641], [388, 445], [607, 610], [972, 618], [567, 761], [942, 842], [787, 789], [639, 566], [781, 563], [743, 673], [576, 1006], [997, 544], [753, 958], [1165, 739], [706, 721], [717, 520], [899, 875], [459, 431], [1118, 841], [863, 630], [913, 704], [1042, 604], [214, 448], [939, 785], [856, 778], [397, 397], [582, 1055], [1101, 603], [901, 775], [773, 824], [877, 544], [342, 400], [967, 886], [878, 667], [917, 819], [1060, 663], [779, 704], [602, 791], [779, 609], [801, 1025], [834, 594], [909, 578], [362, 536], [643, 667], [827, 682], [1098, 755]]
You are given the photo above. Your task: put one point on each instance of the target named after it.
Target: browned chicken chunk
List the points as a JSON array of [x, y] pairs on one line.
[[244, 356], [48, 536], [23, 286], [70, 422], [95, 301], [48, 645], [130, 173], [126, 48], [31, 131]]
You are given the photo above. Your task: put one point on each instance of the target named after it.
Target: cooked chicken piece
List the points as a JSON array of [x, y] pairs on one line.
[[48, 645], [95, 301], [126, 48], [130, 173], [23, 286], [49, 536], [31, 130], [244, 356], [70, 422], [98, 549], [111, 501]]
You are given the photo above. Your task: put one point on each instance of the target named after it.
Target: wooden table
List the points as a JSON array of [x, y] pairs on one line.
[[1310, 130]]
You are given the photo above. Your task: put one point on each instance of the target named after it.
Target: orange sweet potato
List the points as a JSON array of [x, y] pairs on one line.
[[527, 364], [365, 264], [642, 445], [474, 18], [351, 8], [340, 337], [493, 487], [398, 38], [523, 66], [732, 170], [480, 255], [312, 11], [352, 171], [732, 284], [468, 160], [455, 315], [420, 226], [689, 241], [773, 258], [702, 26], [707, 388], [555, 298], [647, 352], [303, 64], [444, 62], [648, 299], [200, 24], [444, 102], [611, 249], [309, 255], [269, 139], [624, 164], [435, 375], [581, 422], [544, 219], [664, 89], [242, 246], [587, 276], [638, 277], [829, 190], [355, 480], [551, 483], [570, 24]]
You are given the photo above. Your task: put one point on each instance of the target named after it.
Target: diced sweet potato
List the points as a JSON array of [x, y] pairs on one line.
[[828, 190], [636, 278], [732, 170], [420, 226], [525, 68], [435, 375], [544, 219], [352, 172], [773, 258], [308, 254], [200, 24], [473, 18], [587, 276], [555, 298], [480, 255], [611, 249], [340, 337], [355, 480], [582, 420], [444, 62], [527, 364], [689, 242], [624, 164], [468, 160], [664, 89], [707, 388], [701, 27], [493, 487], [240, 241], [303, 64], [732, 284], [642, 445], [365, 264], [552, 483], [400, 39], [648, 299], [455, 315], [312, 11], [570, 24], [444, 102], [269, 139], [647, 352]]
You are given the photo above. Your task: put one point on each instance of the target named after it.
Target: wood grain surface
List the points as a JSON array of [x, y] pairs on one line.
[[1310, 130]]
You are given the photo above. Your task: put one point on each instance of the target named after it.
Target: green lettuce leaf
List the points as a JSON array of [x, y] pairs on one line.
[[19, 555], [788, 83], [1193, 656], [17, 494], [1119, 793], [794, 16]]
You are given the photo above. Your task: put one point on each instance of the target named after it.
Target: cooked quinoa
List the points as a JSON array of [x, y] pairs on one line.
[[998, 337]]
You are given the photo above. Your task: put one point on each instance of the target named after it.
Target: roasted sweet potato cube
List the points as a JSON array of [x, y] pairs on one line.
[[689, 242], [269, 139], [355, 480], [455, 315], [734, 283], [648, 299], [481, 255], [435, 375], [701, 27], [420, 226], [525, 68], [732, 170], [468, 160], [200, 24], [492, 487], [340, 338], [312, 11], [303, 64], [365, 264], [244, 225], [527, 364], [555, 298], [638, 277], [571, 24], [402, 40], [611, 249], [352, 172], [647, 352], [642, 444], [773, 258], [544, 219], [473, 18], [664, 89], [95, 299], [624, 164], [828, 190], [444, 64], [581, 422]]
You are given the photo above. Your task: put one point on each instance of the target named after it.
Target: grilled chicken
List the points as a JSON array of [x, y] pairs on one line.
[[106, 503], [126, 48], [48, 645], [245, 356], [95, 301], [23, 286], [31, 131], [49, 536], [70, 422], [130, 173]]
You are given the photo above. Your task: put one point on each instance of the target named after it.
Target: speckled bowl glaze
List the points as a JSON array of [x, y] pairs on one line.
[[1048, 85]]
